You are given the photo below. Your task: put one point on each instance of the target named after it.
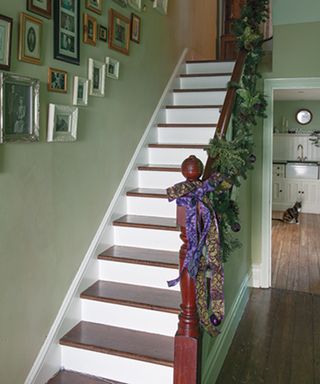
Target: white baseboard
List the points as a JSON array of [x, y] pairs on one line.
[[255, 276], [43, 367], [223, 341]]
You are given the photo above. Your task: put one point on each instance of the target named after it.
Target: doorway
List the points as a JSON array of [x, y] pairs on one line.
[[268, 269]]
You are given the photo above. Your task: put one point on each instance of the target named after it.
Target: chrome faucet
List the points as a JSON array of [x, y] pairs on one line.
[[301, 157]]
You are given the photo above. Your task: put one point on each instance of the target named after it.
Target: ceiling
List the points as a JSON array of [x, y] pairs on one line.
[[297, 94]]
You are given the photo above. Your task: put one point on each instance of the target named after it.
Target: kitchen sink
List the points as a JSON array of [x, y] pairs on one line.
[[302, 170]]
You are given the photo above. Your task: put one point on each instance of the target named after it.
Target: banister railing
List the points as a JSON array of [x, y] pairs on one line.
[[187, 339]]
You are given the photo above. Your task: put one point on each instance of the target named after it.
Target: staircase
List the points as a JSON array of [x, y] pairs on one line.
[[129, 316]]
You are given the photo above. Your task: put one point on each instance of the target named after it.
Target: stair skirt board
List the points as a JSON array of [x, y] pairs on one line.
[[48, 361], [128, 315]]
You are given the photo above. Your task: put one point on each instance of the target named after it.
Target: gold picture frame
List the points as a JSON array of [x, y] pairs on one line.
[[119, 32], [57, 80], [30, 32], [90, 27]]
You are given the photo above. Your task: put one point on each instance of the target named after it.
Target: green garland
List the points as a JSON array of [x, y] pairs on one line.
[[234, 158]]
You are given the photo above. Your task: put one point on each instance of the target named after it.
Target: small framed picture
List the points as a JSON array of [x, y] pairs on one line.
[[67, 31], [112, 68], [135, 28], [94, 6], [122, 3], [135, 4], [62, 123], [40, 7], [96, 75], [30, 39], [103, 33], [89, 29], [57, 80], [161, 6], [5, 42], [119, 32], [80, 91], [19, 108]]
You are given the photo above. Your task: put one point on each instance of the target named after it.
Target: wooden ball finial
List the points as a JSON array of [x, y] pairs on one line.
[[192, 168]]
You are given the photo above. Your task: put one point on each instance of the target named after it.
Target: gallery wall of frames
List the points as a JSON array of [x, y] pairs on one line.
[[72, 26]]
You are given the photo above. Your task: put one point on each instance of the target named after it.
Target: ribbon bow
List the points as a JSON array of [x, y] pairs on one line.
[[203, 259]]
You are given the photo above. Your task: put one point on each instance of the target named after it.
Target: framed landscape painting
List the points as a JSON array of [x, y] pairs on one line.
[[5, 42], [19, 108], [67, 31]]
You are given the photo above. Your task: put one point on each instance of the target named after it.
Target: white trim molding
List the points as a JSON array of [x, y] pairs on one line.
[[48, 360]]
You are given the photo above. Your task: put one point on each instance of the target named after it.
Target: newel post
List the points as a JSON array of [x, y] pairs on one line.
[[187, 339]]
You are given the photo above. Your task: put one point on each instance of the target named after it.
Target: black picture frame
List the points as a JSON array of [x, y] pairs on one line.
[[66, 31]]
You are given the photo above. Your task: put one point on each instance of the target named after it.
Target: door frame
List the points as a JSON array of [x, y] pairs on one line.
[[270, 85]]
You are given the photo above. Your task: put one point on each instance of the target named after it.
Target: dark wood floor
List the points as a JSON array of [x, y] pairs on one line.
[[277, 341], [296, 254]]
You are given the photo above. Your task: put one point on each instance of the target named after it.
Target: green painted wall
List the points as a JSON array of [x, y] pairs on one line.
[[287, 110], [295, 11], [53, 196]]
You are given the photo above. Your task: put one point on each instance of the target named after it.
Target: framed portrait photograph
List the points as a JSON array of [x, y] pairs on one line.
[[30, 31], [119, 32], [94, 6], [103, 33], [96, 76], [62, 123], [57, 80], [19, 108], [5, 42], [161, 6], [80, 91], [135, 28], [67, 31], [40, 7], [112, 68], [122, 3], [89, 29], [135, 4]]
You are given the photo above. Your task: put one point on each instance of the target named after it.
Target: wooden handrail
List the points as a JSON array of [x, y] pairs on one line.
[[227, 108]]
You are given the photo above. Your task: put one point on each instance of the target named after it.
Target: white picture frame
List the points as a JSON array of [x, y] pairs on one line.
[[161, 6], [62, 123], [112, 68], [80, 91], [135, 4], [96, 76]]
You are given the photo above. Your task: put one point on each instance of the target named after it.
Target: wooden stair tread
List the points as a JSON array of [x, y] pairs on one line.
[[193, 106], [160, 167], [186, 75], [148, 192], [70, 377], [134, 296], [142, 256], [208, 61], [150, 222], [182, 125], [185, 90], [123, 342], [187, 146]]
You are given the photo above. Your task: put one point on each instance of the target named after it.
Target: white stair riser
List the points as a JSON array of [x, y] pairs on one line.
[[193, 115], [199, 98], [139, 319], [145, 275], [115, 367], [218, 67], [204, 82], [157, 179], [185, 135], [175, 155], [150, 207]]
